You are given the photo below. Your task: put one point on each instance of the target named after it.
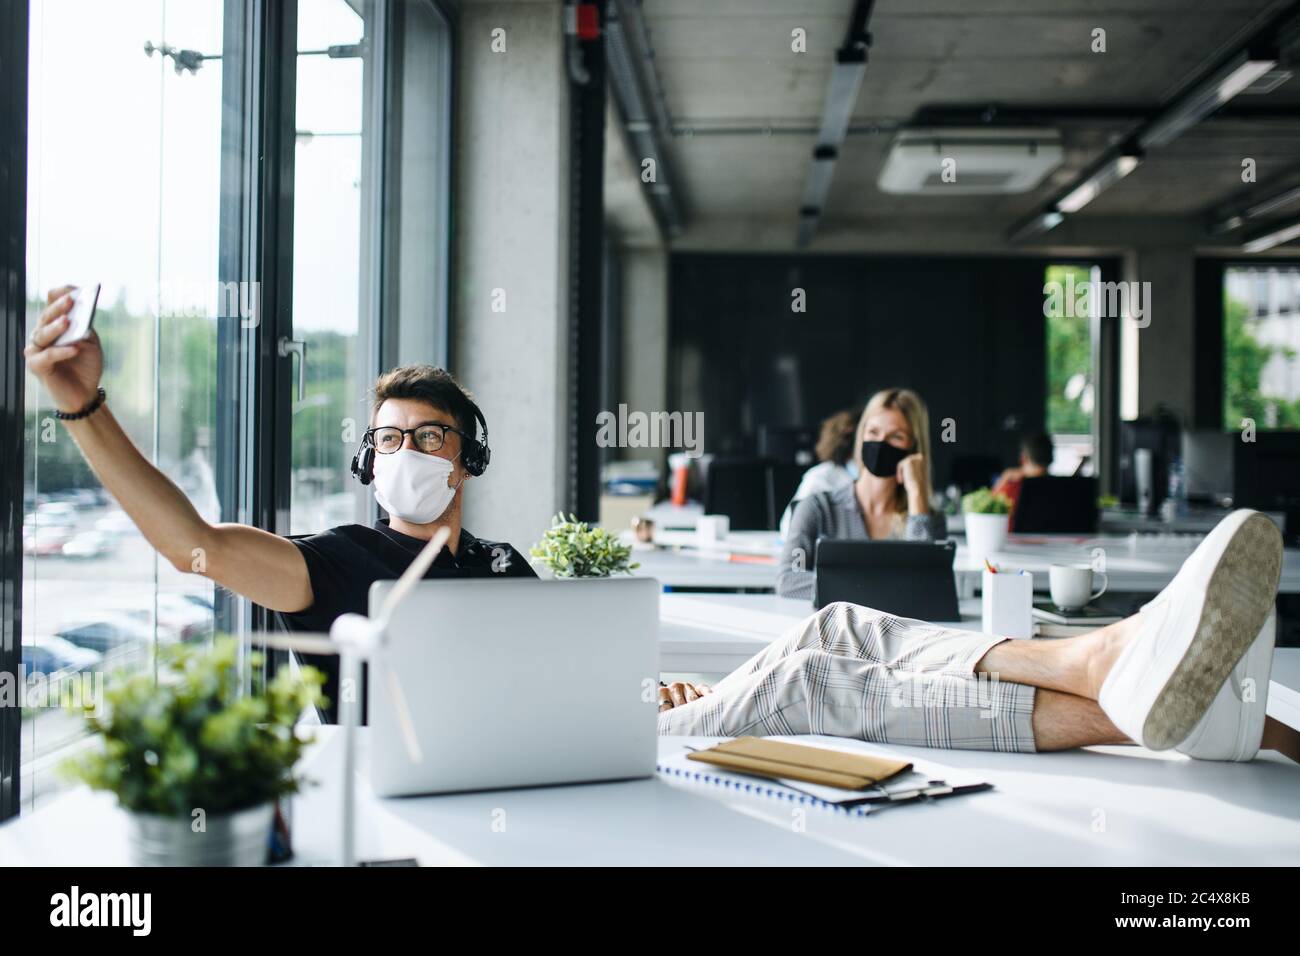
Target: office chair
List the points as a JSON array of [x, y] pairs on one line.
[[783, 482], [738, 488], [1052, 505], [794, 444]]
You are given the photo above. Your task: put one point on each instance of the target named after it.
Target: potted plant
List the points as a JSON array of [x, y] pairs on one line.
[[987, 518], [198, 764], [574, 549]]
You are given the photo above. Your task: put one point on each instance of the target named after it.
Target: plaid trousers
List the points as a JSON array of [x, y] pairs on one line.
[[850, 671]]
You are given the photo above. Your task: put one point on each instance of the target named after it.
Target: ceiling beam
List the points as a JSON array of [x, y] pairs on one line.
[[841, 98], [640, 104]]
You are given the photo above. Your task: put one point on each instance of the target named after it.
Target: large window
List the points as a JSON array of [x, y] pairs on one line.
[[125, 187], [1261, 347], [331, 187], [1071, 377], [370, 201]]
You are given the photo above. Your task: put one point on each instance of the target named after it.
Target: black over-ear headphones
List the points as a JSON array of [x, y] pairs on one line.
[[474, 453]]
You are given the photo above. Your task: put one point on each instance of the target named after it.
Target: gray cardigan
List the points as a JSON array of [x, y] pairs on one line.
[[835, 514]]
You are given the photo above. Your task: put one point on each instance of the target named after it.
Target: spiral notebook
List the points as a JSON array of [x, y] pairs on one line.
[[918, 783]]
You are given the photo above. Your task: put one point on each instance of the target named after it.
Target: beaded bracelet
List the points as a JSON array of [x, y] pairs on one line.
[[85, 412]]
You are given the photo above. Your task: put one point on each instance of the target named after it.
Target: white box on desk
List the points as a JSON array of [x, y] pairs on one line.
[[1008, 603]]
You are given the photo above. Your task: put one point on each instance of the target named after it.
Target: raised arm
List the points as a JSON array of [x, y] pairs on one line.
[[263, 567]]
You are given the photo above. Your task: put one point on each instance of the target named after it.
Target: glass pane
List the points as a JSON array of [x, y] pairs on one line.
[[331, 193], [416, 226], [123, 186], [1261, 347], [1070, 375]]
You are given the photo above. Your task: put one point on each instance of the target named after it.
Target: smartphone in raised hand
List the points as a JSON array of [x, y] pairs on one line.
[[82, 315]]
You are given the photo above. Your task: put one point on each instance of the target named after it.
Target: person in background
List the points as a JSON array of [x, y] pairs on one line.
[[889, 499], [1035, 459], [836, 467]]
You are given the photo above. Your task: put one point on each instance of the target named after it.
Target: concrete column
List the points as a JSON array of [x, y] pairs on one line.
[[510, 287], [645, 338], [1166, 367]]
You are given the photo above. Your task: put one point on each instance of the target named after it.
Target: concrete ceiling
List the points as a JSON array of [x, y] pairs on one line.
[[745, 107]]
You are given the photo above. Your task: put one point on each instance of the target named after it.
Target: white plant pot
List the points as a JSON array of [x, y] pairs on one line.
[[985, 534]]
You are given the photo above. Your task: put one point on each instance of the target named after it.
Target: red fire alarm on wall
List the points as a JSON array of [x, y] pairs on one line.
[[583, 21]]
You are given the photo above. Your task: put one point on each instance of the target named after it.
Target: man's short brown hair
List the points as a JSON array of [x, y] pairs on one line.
[[839, 436], [427, 383]]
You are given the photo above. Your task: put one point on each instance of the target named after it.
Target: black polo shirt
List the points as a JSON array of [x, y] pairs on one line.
[[343, 562]]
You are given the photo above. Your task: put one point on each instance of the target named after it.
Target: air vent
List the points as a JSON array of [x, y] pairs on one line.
[[993, 182], [970, 161]]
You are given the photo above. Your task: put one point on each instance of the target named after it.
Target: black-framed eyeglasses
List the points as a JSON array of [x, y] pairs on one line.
[[428, 437]]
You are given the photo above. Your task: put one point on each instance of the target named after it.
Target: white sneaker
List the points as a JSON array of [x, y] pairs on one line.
[[1234, 725], [1194, 633]]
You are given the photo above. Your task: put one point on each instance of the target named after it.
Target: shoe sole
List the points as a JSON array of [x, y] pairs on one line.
[[1238, 599]]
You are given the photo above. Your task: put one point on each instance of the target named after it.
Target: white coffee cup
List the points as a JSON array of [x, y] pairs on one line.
[[1071, 585], [712, 529]]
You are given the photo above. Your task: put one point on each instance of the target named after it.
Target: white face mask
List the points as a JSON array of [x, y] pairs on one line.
[[413, 486]]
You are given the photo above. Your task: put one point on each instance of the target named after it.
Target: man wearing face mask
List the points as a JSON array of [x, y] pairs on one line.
[[889, 499], [422, 448]]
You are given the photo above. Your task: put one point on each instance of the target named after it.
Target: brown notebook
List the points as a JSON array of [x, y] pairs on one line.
[[780, 760]]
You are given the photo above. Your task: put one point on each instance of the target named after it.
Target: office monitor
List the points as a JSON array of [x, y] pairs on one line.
[[788, 444], [1208, 465], [1267, 476], [1056, 505], [1159, 436]]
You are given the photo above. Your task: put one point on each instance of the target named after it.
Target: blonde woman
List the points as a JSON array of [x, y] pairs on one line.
[[889, 499]]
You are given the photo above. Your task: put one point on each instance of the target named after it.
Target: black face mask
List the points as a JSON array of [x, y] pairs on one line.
[[881, 458]]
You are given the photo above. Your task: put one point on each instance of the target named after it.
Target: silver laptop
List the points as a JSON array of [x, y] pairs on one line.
[[514, 683]]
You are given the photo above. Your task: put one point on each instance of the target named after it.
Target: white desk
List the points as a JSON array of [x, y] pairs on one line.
[[1133, 563], [689, 569], [1197, 520], [716, 633], [1103, 806], [1115, 521]]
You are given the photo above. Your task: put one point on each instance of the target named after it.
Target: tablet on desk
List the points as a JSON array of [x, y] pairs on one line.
[[908, 578]]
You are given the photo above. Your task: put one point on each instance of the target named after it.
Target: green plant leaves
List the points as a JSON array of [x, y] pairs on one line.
[[574, 549], [195, 739], [983, 501]]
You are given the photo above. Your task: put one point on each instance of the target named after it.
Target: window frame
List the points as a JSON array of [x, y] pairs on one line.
[[13, 333], [1105, 340], [256, 229], [386, 351]]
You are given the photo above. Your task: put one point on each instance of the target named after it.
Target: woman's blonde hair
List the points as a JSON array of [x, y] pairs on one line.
[[912, 408]]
